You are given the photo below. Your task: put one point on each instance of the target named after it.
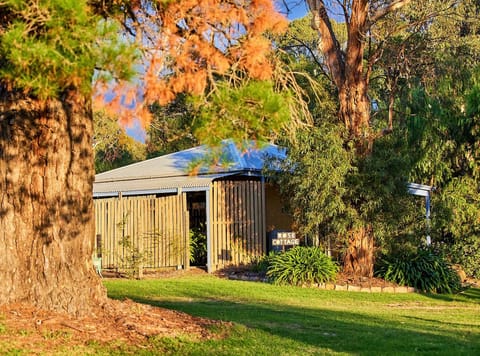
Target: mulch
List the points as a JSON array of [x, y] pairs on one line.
[[344, 279], [40, 331]]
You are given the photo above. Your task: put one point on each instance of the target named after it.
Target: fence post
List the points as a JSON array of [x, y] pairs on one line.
[[140, 213]]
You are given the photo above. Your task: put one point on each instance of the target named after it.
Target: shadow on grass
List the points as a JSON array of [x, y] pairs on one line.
[[468, 295], [472, 293], [442, 322], [327, 329]]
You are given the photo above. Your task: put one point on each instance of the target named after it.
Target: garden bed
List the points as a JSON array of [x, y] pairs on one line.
[[343, 282]]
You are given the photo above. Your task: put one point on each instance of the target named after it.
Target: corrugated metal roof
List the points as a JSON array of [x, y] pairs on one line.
[[146, 186], [170, 173]]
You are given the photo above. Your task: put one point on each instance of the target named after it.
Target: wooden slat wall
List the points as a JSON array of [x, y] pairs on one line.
[[237, 223], [156, 226]]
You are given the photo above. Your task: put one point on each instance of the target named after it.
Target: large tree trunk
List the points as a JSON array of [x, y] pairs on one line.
[[46, 216], [359, 257], [355, 112], [352, 87]]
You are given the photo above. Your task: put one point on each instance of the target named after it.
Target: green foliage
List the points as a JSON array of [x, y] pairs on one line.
[[171, 128], [302, 41], [377, 192], [112, 146], [254, 110], [198, 246], [52, 45], [312, 179], [301, 265], [457, 223], [435, 98], [466, 252], [423, 269], [438, 136], [132, 257], [329, 190], [442, 136], [473, 97], [441, 132]]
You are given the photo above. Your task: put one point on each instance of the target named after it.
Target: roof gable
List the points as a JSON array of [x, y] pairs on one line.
[[232, 160]]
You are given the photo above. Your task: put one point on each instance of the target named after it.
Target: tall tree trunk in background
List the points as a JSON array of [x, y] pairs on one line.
[[354, 111], [347, 71], [46, 207], [352, 87]]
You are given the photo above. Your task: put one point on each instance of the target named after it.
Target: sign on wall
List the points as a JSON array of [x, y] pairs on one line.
[[286, 239]]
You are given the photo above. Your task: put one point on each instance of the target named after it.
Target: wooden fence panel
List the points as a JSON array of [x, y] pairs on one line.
[[154, 228], [214, 225], [237, 223]]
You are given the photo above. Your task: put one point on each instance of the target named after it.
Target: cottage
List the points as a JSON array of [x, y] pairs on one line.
[[150, 210]]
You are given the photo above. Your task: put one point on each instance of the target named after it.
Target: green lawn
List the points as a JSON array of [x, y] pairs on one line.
[[275, 320]]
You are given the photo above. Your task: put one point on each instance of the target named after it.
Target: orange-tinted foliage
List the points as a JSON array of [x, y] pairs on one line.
[[186, 42]]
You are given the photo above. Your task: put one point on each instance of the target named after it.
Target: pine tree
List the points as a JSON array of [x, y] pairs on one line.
[[51, 51]]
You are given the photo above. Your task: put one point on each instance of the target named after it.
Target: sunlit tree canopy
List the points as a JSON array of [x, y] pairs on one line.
[[185, 46]]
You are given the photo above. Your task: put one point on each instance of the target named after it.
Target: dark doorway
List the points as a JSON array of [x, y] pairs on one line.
[[197, 202]]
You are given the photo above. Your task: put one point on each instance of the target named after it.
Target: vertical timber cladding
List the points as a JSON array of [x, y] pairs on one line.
[[237, 222], [155, 228]]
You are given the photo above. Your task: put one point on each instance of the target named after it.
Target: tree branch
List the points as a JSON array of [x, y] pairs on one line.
[[383, 11], [303, 44], [329, 43]]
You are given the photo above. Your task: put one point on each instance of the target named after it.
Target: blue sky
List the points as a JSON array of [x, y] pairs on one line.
[[298, 8]]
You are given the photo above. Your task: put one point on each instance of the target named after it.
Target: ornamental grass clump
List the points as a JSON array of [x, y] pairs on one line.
[[262, 263], [301, 265], [423, 270]]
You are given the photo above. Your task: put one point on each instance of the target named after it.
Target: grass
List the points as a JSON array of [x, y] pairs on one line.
[[283, 320]]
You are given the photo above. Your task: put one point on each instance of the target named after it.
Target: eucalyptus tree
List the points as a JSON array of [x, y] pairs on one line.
[[171, 128], [364, 47], [112, 146]]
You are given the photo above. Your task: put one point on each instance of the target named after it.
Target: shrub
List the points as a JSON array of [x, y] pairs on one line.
[[301, 265], [262, 263], [423, 270], [457, 223], [466, 252]]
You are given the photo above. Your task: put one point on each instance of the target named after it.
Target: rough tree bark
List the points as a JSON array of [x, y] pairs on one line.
[[46, 220], [346, 68], [359, 258]]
